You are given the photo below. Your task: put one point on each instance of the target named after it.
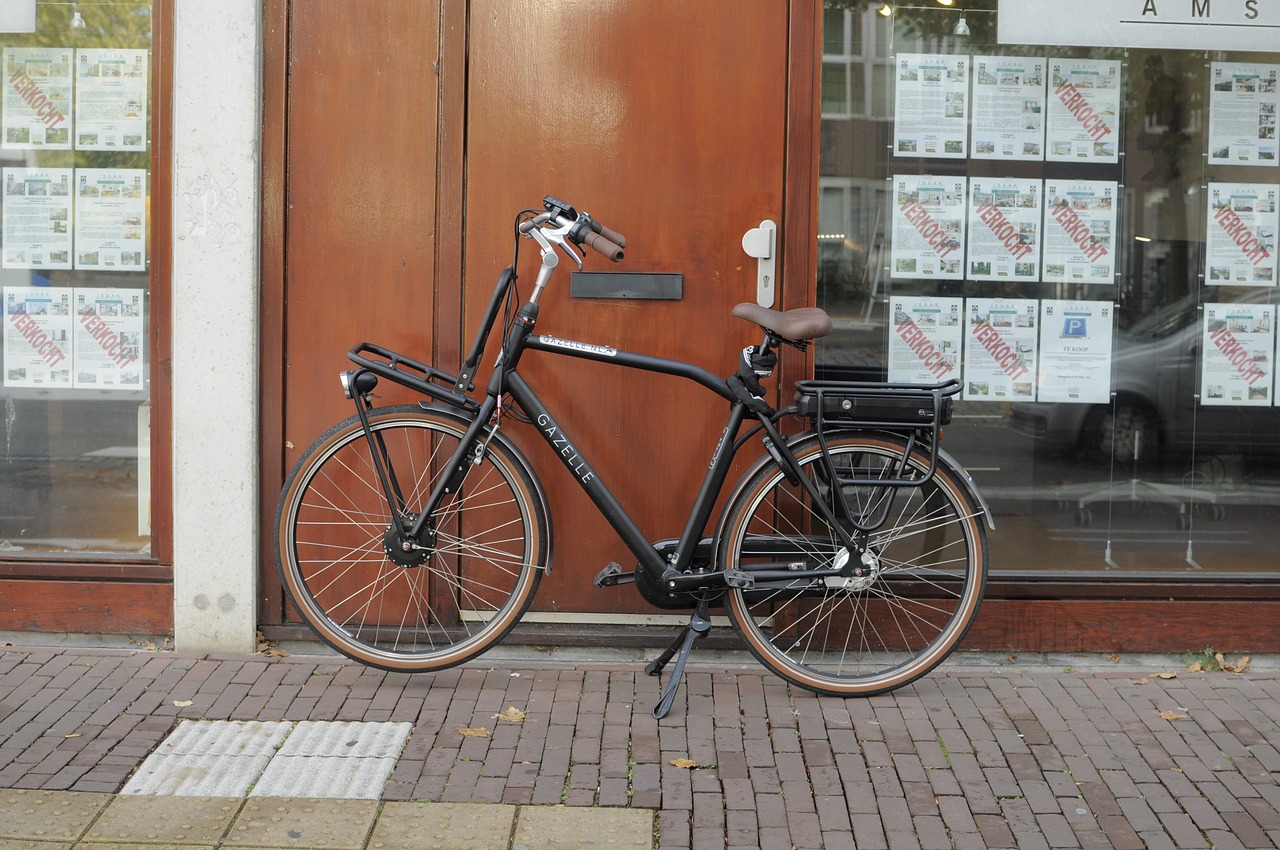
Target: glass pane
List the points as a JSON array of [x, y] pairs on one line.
[[833, 32], [74, 273], [1113, 304], [835, 88]]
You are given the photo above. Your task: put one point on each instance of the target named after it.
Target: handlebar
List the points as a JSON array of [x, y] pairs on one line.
[[578, 228]]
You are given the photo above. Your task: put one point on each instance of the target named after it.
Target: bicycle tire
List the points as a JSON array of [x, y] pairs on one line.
[[491, 545], [861, 636]]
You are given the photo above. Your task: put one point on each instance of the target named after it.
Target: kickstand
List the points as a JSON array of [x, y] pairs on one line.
[[699, 625]]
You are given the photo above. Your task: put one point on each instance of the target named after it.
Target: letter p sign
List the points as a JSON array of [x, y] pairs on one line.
[[1074, 327]]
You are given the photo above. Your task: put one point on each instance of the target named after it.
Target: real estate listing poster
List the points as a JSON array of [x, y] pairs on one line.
[[111, 99], [928, 227], [111, 219], [925, 339], [1000, 349], [1079, 231], [1084, 111], [1239, 350], [1008, 107], [1004, 229], [1242, 113], [108, 338], [1075, 351], [37, 336], [931, 114], [37, 218], [36, 108], [1241, 242]]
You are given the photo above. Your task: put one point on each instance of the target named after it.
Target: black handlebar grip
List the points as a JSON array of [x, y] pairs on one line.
[[602, 245]]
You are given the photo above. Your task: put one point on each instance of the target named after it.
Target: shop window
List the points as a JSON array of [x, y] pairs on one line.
[[75, 279], [1085, 237]]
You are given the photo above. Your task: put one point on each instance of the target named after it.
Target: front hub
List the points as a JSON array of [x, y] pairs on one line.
[[401, 549]]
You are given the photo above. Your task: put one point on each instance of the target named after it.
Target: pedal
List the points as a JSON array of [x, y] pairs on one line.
[[739, 580], [612, 576]]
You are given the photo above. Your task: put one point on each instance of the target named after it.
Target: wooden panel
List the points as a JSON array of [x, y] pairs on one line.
[[275, 76], [1155, 625], [667, 121], [350, 145], [107, 607], [360, 165]]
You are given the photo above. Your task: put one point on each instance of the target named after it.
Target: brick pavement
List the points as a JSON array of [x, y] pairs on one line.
[[993, 756]]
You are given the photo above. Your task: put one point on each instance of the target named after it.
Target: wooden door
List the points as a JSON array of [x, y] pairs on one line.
[[359, 218], [667, 120]]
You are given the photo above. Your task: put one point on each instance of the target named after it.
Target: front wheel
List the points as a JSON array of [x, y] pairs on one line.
[[449, 602], [921, 580]]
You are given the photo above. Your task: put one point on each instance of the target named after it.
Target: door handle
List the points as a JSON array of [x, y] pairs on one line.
[[762, 242]]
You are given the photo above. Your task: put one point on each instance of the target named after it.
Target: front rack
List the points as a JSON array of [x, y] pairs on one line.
[[410, 373]]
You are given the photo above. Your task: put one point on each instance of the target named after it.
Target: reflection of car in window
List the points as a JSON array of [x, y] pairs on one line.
[[1155, 406]]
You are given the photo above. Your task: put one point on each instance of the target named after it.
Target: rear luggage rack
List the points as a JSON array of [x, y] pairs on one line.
[[917, 411], [877, 405]]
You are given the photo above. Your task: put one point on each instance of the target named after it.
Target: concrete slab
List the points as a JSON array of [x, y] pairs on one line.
[[331, 777], [351, 739], [48, 815], [311, 824], [443, 826], [23, 844], [572, 828], [156, 820], [226, 737], [190, 775], [311, 759]]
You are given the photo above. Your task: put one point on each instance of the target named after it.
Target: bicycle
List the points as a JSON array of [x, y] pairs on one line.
[[851, 558]]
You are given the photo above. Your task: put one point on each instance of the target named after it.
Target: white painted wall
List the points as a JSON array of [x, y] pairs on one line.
[[216, 149]]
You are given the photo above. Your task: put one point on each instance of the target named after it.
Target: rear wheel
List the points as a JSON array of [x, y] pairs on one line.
[[922, 578], [443, 605]]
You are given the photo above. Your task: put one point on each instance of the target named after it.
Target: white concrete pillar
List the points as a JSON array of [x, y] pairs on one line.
[[217, 87]]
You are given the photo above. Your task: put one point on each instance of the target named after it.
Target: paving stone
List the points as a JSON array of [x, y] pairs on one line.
[[157, 820], [443, 826], [48, 815], [557, 828], [311, 824]]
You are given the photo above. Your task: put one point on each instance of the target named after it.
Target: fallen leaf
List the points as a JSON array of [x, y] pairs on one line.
[[182, 703], [1238, 667], [1143, 681], [1195, 668], [270, 648], [1114, 658], [473, 732], [1166, 675], [1172, 715], [512, 714], [688, 764]]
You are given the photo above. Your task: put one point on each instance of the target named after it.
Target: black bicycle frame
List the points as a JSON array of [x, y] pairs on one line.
[[506, 379], [519, 338]]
